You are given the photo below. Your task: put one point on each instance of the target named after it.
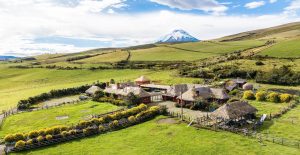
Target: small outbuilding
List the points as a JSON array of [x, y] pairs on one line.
[[235, 110], [142, 80], [248, 86], [92, 90]]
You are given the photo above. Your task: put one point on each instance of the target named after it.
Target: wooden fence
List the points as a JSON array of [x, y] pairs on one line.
[[207, 123]]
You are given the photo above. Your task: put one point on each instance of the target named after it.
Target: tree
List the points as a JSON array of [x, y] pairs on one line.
[[112, 81], [133, 99]]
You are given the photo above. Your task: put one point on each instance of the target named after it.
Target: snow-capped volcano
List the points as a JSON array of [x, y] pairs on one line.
[[177, 36]]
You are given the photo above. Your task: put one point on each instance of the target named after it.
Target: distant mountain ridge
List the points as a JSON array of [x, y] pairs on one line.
[[3, 57], [177, 36]]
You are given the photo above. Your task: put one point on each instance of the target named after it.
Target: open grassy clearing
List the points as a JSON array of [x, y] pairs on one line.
[[28, 121], [267, 107], [109, 57], [154, 138], [190, 51], [17, 84], [285, 48], [287, 126]]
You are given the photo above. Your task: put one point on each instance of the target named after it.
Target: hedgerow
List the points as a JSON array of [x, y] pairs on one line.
[[103, 124]]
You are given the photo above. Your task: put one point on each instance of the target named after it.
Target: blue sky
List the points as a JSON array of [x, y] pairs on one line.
[[53, 26]]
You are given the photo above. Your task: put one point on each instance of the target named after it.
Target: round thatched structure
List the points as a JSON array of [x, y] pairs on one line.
[[248, 86]]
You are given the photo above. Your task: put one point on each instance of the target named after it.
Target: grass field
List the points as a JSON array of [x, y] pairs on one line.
[[17, 84], [267, 107], [287, 126], [29, 121], [190, 51], [285, 48], [109, 57], [153, 138]]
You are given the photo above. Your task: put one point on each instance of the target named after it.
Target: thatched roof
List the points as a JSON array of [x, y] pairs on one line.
[[142, 79], [234, 110], [219, 93], [166, 87], [176, 89], [127, 90], [248, 86], [195, 93], [92, 90], [204, 92]]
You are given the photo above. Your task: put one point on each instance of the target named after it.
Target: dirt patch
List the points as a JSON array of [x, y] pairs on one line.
[[62, 117], [167, 121]]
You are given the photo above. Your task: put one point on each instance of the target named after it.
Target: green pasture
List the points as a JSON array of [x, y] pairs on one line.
[[28, 121], [155, 138]]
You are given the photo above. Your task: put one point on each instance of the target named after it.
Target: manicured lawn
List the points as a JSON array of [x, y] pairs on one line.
[[153, 138], [29, 121], [267, 107], [287, 126], [286, 48], [17, 84], [190, 51]]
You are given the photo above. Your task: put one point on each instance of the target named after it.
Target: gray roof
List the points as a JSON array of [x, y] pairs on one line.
[[176, 89], [204, 92], [166, 87], [234, 110], [127, 90], [92, 90]]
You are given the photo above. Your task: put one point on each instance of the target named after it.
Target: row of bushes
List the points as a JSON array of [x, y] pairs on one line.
[[25, 104], [264, 96], [81, 125], [94, 129]]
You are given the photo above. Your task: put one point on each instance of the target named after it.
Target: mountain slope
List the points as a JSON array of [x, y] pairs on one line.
[[285, 31], [6, 57], [178, 36]]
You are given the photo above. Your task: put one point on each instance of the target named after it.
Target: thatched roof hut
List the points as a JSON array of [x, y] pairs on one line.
[[234, 110], [92, 90], [195, 93], [248, 86]]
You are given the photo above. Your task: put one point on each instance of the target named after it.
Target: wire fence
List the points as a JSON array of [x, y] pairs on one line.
[[208, 123]]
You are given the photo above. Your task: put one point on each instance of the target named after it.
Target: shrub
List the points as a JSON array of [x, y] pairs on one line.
[[85, 131], [248, 95], [19, 136], [285, 97], [63, 128], [20, 144], [260, 96], [64, 133], [131, 119], [72, 132], [114, 124], [49, 131], [9, 138], [56, 129], [101, 128], [29, 142], [49, 137], [42, 132], [234, 92], [273, 97], [259, 63], [33, 134], [40, 138]]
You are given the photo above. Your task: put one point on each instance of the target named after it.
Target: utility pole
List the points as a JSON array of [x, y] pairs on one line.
[[181, 105]]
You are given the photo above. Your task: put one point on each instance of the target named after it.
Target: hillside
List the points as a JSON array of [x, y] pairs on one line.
[[285, 31]]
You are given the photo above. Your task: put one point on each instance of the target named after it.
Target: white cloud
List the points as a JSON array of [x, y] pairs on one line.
[[23, 21], [272, 1], [204, 5], [255, 4], [293, 8]]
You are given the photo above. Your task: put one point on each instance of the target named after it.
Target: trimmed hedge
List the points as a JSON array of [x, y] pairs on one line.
[[141, 114], [25, 104], [249, 95]]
